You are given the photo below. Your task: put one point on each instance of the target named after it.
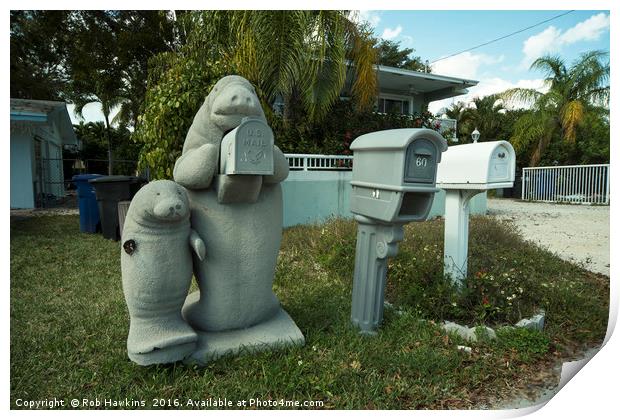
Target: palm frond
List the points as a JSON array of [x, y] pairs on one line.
[[571, 116], [520, 96]]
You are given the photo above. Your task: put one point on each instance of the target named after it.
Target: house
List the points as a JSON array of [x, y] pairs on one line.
[[40, 130], [409, 92]]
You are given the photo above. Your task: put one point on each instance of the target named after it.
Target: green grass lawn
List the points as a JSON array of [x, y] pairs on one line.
[[69, 323]]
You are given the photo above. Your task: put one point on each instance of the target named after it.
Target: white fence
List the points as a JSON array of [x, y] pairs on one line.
[[319, 162], [587, 184]]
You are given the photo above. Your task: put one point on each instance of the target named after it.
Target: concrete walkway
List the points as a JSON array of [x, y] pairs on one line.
[[574, 232]]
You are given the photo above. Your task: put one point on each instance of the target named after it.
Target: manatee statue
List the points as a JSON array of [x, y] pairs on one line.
[[156, 265], [242, 232]]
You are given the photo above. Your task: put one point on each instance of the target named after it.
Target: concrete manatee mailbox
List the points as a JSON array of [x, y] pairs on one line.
[[232, 171], [393, 183], [467, 170]]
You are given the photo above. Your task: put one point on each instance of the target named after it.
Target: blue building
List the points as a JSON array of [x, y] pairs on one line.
[[40, 130]]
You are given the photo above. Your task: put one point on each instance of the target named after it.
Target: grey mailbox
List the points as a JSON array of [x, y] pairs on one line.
[[248, 149], [393, 183], [394, 173]]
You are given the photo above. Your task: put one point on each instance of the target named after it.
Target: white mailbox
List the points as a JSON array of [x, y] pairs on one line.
[[466, 170], [477, 166]]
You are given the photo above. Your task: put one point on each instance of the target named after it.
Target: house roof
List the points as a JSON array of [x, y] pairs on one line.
[[31, 111], [433, 86]]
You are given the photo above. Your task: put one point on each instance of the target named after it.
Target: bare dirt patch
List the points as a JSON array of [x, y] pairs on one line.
[[577, 233]]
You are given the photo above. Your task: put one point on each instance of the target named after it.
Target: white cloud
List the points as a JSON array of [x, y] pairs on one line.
[[488, 87], [369, 16], [552, 39], [540, 44], [465, 65], [390, 33], [588, 30]]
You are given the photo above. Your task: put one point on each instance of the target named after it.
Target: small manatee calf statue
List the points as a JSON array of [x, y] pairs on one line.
[[240, 218], [156, 264]]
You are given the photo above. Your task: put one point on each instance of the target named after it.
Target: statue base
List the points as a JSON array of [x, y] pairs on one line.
[[278, 332]]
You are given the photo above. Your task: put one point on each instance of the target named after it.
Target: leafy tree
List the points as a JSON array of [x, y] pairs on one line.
[[38, 53], [299, 56], [576, 94], [108, 61], [171, 102], [390, 54], [486, 114]]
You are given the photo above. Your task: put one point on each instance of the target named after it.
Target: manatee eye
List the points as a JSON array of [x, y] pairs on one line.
[[157, 193]]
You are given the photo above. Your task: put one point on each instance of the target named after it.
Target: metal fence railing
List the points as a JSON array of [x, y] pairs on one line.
[[587, 184], [52, 177], [302, 162]]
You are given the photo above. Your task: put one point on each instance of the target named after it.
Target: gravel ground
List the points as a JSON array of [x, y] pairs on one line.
[[574, 232]]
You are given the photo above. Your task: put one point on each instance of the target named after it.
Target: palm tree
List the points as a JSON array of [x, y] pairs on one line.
[[573, 93], [485, 115], [300, 56]]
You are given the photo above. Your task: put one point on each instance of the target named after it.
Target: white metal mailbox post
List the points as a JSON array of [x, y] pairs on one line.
[[466, 170]]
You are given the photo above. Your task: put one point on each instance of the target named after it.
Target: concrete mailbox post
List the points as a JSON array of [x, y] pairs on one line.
[[467, 170], [393, 183]]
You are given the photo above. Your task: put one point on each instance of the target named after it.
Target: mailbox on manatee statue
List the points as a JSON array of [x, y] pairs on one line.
[[393, 183], [467, 170], [248, 149]]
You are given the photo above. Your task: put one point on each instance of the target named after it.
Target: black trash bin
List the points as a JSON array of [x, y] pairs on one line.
[[109, 191]]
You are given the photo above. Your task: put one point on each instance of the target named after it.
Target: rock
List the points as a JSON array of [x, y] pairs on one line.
[[483, 332], [470, 334], [537, 322], [460, 330], [464, 348]]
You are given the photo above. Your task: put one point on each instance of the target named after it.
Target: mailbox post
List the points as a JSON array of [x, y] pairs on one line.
[[465, 171], [393, 184]]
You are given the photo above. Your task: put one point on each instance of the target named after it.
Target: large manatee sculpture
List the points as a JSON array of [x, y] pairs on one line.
[[236, 308]]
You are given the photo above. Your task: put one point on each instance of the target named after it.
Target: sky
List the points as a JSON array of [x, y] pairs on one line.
[[497, 66], [500, 65]]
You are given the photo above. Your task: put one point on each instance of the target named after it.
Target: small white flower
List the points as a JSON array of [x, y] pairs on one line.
[[299, 362]]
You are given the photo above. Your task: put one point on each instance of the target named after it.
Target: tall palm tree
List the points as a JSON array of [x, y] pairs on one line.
[[573, 93], [296, 55]]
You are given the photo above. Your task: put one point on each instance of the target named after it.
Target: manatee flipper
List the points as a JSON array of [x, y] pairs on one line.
[[280, 168], [195, 168], [197, 244]]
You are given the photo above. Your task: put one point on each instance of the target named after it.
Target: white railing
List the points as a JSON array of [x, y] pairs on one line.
[[319, 162], [587, 184]]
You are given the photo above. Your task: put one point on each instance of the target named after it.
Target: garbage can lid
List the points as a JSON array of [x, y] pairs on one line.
[[117, 178], [85, 177]]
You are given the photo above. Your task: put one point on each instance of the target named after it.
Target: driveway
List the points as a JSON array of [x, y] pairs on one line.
[[574, 232]]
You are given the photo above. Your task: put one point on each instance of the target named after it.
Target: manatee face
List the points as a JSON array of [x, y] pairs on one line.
[[161, 201], [231, 99]]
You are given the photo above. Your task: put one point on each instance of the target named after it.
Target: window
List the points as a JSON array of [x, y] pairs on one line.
[[393, 106]]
